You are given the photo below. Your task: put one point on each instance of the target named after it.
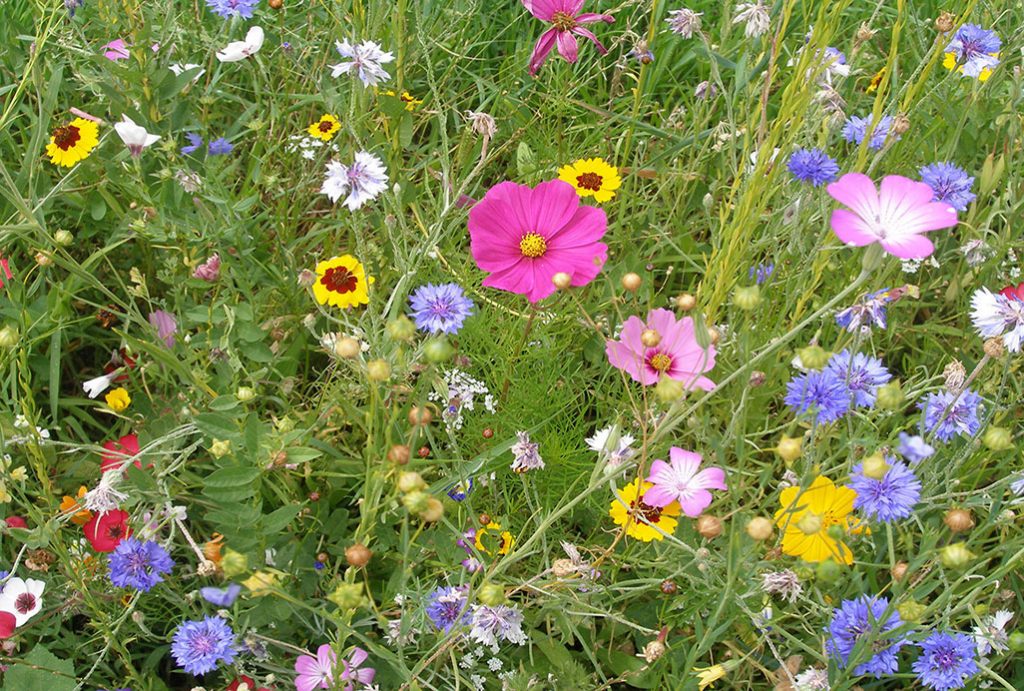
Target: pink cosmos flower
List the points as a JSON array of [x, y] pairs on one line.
[[523, 236], [677, 354], [896, 217], [680, 481], [316, 672], [350, 672], [565, 20], [116, 50]]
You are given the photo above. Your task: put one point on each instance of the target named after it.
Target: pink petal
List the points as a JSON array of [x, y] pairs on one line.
[[305, 664], [710, 478], [568, 48], [541, 49], [930, 216], [659, 466], [589, 35], [858, 192], [852, 229], [897, 191], [542, 9], [358, 657], [659, 496], [542, 283], [591, 17], [587, 225], [516, 278], [326, 658], [684, 463], [694, 504], [702, 383], [547, 208], [305, 682], [909, 247]]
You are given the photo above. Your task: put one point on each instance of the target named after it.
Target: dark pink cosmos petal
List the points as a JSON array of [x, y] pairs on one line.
[[464, 202], [591, 17], [584, 226], [547, 208], [540, 51], [567, 46], [587, 34]]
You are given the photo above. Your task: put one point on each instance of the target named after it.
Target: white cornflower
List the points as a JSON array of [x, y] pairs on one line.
[[611, 446], [362, 181], [494, 624], [755, 16], [240, 50], [189, 180], [482, 123], [684, 22], [812, 680], [995, 314], [975, 252], [785, 584], [105, 496], [364, 61], [526, 454], [990, 635]]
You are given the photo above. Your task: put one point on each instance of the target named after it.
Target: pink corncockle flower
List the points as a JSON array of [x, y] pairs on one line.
[[116, 50], [524, 236], [896, 216], [680, 481], [677, 355], [209, 270], [350, 669], [566, 23], [316, 672], [166, 326]]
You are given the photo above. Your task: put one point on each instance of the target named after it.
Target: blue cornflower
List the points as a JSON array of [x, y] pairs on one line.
[[194, 142], [440, 308], [914, 448], [220, 147], [72, 5], [136, 564], [861, 373], [887, 498], [762, 272], [961, 419], [974, 50], [222, 597], [946, 662], [813, 166], [823, 393], [862, 618], [447, 607], [868, 311], [856, 128], [949, 183], [199, 645], [233, 8], [461, 489]]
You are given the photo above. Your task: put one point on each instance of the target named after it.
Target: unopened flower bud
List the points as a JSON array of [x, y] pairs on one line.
[[760, 528], [378, 370], [347, 596], [420, 416], [653, 650], [399, 454], [1016, 641], [828, 571], [438, 349], [994, 348], [245, 393], [945, 22], [813, 357], [864, 33], [650, 338], [306, 278], [491, 594], [899, 571], [233, 563], [669, 587], [790, 448], [416, 501], [63, 238], [410, 481], [810, 524], [911, 611], [890, 395], [433, 512], [958, 520], [757, 378], [346, 347], [563, 568], [747, 298], [668, 390], [631, 282], [714, 335], [562, 280], [401, 328], [8, 336], [955, 374], [43, 259], [956, 556], [358, 555], [998, 439], [874, 466], [900, 124], [686, 302], [220, 448], [709, 527]]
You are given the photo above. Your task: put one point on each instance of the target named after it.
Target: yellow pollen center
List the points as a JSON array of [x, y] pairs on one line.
[[533, 245], [661, 362], [563, 21]]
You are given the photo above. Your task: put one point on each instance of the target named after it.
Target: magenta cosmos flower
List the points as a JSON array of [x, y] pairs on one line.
[[565, 20], [681, 481], [676, 355], [316, 672], [896, 217], [524, 236]]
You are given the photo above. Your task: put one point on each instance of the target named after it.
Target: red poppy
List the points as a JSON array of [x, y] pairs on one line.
[[7, 624], [120, 451], [244, 683], [15, 522], [104, 531], [1013, 292]]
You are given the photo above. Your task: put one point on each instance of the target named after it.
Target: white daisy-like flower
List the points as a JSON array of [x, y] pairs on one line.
[[364, 61], [362, 181], [22, 598], [610, 444], [240, 50], [995, 315]]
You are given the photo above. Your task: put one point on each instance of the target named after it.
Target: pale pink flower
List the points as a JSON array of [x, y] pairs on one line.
[[316, 672], [350, 669], [166, 326], [566, 23], [677, 354], [896, 217], [116, 50], [681, 481], [209, 270]]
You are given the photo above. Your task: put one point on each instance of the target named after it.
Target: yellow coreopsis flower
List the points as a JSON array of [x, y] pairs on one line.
[[876, 80], [118, 399], [807, 515], [642, 519], [592, 177], [342, 282], [72, 143], [505, 538], [324, 128]]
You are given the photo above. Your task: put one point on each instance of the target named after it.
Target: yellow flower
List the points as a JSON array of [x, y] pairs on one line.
[[408, 99], [505, 543], [342, 282], [950, 63], [325, 127], [72, 143], [876, 80], [80, 516], [592, 177], [262, 582], [630, 510], [19, 474], [5, 496], [807, 515], [707, 676], [118, 399]]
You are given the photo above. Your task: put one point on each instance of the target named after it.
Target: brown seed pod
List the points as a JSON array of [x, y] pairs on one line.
[[632, 282], [899, 571], [420, 416], [424, 451], [669, 587], [484, 519], [358, 555], [323, 557], [958, 520], [488, 433], [709, 527], [275, 4], [399, 454]]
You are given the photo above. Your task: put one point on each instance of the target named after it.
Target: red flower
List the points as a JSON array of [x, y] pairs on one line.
[[1013, 292], [15, 522], [244, 683], [118, 359], [106, 530], [5, 272], [120, 451], [7, 624]]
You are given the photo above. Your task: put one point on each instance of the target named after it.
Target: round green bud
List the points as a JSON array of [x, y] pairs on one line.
[[1016, 641], [669, 390], [410, 481], [245, 393], [956, 556], [8, 336], [998, 439], [813, 356], [911, 611], [401, 329], [491, 594], [63, 238], [747, 298], [378, 370], [828, 571], [890, 396], [438, 350], [416, 501], [347, 596]]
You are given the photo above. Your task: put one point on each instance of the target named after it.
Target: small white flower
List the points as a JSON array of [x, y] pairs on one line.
[[755, 16], [996, 315], [609, 444], [990, 635], [94, 387], [105, 496], [362, 181], [240, 50], [494, 624], [364, 61], [22, 598], [684, 22], [812, 680], [136, 138]]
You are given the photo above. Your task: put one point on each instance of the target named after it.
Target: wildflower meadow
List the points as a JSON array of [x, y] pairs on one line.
[[432, 345]]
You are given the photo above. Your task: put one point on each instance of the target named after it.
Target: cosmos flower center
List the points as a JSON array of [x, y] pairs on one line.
[[66, 137], [339, 279], [25, 603], [651, 514], [660, 362], [533, 245], [563, 21], [590, 181]]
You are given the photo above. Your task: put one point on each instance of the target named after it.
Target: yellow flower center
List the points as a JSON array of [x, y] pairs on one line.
[[589, 181], [661, 362], [533, 245], [563, 21]]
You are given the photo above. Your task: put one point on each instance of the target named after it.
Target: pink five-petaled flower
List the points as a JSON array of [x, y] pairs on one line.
[[316, 672], [523, 236], [351, 671], [895, 217], [565, 20], [677, 355], [680, 481], [116, 50]]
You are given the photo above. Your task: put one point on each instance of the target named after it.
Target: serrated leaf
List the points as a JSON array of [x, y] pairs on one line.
[[43, 671]]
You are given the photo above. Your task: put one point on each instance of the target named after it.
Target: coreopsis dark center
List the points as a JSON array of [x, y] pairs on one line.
[[589, 181], [66, 137], [533, 245], [651, 514], [25, 603], [326, 126], [339, 280], [660, 362], [563, 21]]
